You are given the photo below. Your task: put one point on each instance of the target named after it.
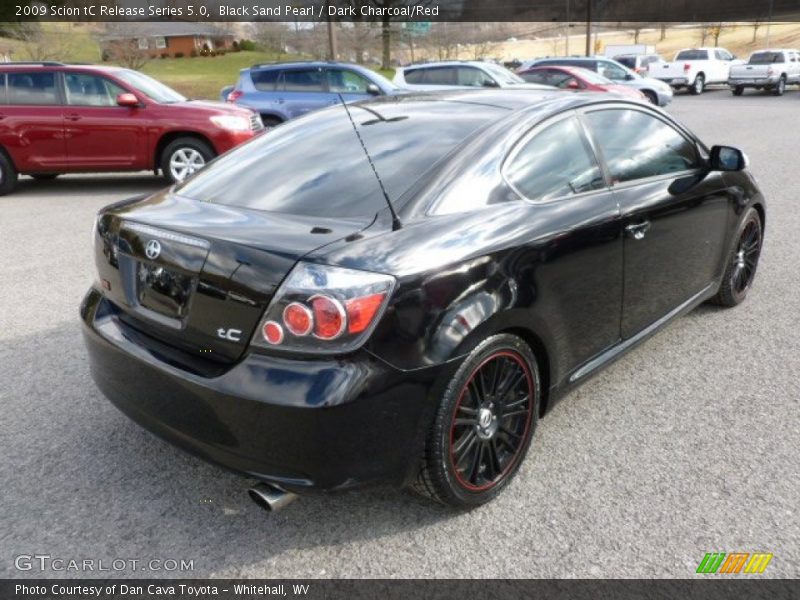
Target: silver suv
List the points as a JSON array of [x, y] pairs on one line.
[[463, 74]]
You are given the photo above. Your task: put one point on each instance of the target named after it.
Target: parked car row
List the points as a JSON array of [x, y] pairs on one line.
[[695, 68]]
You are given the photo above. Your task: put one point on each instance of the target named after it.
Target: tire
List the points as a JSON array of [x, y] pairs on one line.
[[488, 433], [8, 175], [270, 122], [780, 87], [651, 96], [183, 156], [737, 91], [742, 262], [698, 86], [44, 176]]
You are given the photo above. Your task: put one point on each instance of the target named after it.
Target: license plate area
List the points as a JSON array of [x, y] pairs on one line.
[[163, 290]]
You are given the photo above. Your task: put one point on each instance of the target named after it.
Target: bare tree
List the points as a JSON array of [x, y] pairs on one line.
[[271, 36], [756, 25], [40, 45], [663, 35], [127, 53]]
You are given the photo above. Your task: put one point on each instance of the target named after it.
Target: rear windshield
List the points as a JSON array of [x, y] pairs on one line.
[[692, 55], [315, 165], [766, 58], [628, 61]]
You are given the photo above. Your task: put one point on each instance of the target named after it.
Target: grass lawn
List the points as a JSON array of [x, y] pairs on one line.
[[202, 77]]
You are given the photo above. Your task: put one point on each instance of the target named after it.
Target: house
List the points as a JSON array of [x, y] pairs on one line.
[[169, 38]]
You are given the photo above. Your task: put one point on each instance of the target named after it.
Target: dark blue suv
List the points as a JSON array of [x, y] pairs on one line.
[[283, 91]]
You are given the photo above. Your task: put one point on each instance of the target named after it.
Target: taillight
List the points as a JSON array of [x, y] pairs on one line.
[[324, 309], [686, 66], [234, 95]]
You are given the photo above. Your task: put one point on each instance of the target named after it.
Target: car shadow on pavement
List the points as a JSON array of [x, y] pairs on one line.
[[81, 479], [91, 185]]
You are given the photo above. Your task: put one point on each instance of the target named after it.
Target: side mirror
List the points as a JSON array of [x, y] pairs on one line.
[[373, 89], [573, 85], [490, 84], [727, 158], [127, 99], [629, 77]]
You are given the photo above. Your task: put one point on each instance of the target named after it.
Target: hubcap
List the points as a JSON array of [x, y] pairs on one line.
[[491, 421], [745, 259], [184, 162]]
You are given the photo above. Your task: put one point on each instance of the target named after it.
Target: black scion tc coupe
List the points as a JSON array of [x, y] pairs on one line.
[[293, 313]]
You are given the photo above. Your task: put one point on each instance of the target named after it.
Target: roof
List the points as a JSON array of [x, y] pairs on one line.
[[446, 63], [127, 30], [490, 100]]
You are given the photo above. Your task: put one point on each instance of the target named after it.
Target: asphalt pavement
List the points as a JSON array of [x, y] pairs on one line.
[[690, 444]]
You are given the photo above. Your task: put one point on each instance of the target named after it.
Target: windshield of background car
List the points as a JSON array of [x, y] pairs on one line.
[[765, 58], [628, 61], [315, 165], [591, 76], [153, 89], [503, 74], [692, 55]]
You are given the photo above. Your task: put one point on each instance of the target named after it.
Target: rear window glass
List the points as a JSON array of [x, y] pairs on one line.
[[692, 55], [628, 61], [265, 80], [766, 58], [292, 169], [32, 88]]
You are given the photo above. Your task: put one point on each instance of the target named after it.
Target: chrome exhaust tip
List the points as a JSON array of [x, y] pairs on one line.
[[269, 497]]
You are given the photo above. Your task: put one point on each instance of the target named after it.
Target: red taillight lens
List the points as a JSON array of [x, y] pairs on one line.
[[360, 311], [273, 332], [686, 66], [298, 319], [234, 95], [324, 309], [329, 317]]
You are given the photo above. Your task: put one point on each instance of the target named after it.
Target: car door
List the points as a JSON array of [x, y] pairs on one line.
[[350, 85], [32, 120], [474, 77], [674, 212], [304, 90], [613, 72], [722, 65], [575, 222], [99, 133]]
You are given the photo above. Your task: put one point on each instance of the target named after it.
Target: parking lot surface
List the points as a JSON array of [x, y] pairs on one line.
[[688, 445]]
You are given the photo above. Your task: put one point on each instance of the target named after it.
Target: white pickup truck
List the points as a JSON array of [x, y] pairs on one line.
[[771, 70], [695, 68]]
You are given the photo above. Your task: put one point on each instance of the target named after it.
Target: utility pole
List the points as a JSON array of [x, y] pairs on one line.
[[769, 22], [588, 27], [332, 50]]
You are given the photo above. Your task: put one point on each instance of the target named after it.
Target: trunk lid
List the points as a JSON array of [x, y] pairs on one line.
[[198, 276]]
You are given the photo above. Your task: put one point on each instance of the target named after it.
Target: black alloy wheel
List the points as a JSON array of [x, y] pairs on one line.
[[484, 425], [742, 265]]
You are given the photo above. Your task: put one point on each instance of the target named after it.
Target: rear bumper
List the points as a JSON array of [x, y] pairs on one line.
[[674, 81], [752, 81], [301, 424]]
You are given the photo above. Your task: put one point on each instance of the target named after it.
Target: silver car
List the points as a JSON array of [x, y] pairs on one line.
[[657, 92]]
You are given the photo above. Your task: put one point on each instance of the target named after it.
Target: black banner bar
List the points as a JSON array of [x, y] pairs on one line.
[[628, 11], [702, 588]]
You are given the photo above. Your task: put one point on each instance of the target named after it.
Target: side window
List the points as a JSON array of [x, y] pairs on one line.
[[303, 80], [638, 145], [90, 90], [32, 88], [265, 81], [539, 76], [611, 71], [473, 77], [555, 162], [340, 80], [440, 76], [414, 76]]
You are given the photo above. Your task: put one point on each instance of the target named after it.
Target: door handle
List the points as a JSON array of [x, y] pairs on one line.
[[637, 230], [73, 117]]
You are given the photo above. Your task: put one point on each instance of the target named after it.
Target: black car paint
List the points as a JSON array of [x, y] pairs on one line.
[[564, 275]]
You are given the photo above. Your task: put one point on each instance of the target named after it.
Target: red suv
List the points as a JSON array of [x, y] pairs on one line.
[[57, 118]]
